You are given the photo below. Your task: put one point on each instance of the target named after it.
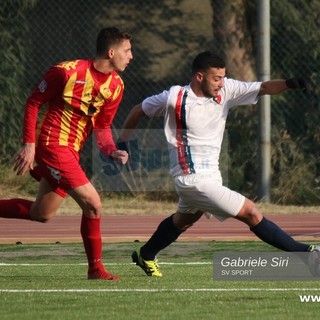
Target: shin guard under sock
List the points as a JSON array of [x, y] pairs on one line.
[[270, 233], [92, 241], [15, 208], [165, 234]]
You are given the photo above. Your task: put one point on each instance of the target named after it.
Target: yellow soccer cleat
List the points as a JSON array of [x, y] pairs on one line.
[[150, 267]]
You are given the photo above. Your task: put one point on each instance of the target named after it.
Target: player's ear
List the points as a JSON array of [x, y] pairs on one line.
[[110, 53], [199, 76]]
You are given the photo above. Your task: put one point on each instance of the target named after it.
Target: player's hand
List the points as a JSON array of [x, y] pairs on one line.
[[297, 83], [121, 156], [24, 159]]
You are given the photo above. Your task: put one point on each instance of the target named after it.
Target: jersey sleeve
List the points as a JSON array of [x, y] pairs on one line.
[[155, 106], [102, 128], [241, 93], [50, 86]]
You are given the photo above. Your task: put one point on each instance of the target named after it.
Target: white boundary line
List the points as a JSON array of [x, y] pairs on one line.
[[157, 290]]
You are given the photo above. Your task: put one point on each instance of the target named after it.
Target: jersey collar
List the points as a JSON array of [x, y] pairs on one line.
[[202, 100]]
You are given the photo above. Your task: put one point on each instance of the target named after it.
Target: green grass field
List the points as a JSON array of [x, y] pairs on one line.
[[48, 281]]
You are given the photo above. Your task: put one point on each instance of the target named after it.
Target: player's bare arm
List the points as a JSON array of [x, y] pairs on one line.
[[23, 161], [273, 87], [131, 121]]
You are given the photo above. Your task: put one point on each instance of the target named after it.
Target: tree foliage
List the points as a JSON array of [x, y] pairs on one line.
[[13, 61]]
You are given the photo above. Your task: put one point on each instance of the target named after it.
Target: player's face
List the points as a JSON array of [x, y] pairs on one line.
[[212, 81], [122, 55]]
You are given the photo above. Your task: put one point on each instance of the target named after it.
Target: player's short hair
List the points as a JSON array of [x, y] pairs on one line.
[[108, 37], [205, 60]]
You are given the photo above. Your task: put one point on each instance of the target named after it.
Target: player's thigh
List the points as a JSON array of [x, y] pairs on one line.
[[88, 199], [47, 202], [223, 200], [60, 167], [209, 196]]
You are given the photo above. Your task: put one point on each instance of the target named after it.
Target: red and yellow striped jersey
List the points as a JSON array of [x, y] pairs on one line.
[[79, 99]]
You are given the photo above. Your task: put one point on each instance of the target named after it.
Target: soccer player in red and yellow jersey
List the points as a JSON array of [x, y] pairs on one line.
[[82, 97]]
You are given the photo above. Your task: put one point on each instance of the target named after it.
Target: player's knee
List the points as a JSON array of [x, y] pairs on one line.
[[249, 213], [182, 226], [40, 218], [93, 209], [184, 221], [185, 227], [41, 215]]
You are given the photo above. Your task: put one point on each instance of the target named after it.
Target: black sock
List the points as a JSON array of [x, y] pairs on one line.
[[270, 233], [165, 234]]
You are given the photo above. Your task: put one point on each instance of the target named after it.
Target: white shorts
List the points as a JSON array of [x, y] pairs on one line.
[[205, 192]]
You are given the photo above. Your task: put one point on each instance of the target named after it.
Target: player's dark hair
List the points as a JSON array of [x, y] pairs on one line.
[[108, 37], [205, 60]]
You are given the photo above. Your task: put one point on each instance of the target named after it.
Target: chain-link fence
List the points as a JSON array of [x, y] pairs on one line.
[[36, 34]]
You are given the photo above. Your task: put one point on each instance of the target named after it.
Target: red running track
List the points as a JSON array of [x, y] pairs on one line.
[[130, 228]]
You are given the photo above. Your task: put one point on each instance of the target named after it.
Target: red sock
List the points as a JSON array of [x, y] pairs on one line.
[[92, 241], [15, 208]]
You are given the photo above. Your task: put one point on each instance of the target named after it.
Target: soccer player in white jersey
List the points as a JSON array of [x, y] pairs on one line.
[[194, 122]]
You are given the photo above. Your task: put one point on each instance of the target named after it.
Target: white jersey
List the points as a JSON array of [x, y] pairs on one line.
[[194, 126]]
